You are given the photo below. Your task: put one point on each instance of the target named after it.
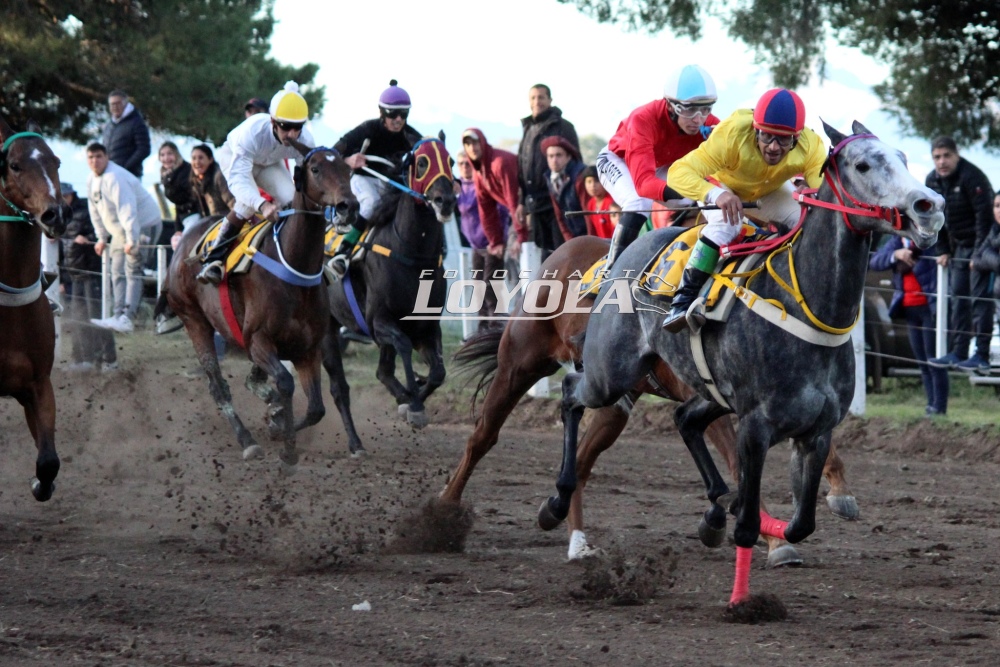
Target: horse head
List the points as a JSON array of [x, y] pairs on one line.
[[429, 174], [874, 176], [324, 179], [29, 179]]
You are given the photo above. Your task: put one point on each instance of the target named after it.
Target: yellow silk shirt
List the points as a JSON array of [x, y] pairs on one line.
[[731, 156]]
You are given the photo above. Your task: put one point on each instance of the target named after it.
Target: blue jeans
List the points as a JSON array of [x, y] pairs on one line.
[[921, 329], [969, 316]]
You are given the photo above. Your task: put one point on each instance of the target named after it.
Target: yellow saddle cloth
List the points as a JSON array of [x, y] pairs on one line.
[[332, 241], [250, 239]]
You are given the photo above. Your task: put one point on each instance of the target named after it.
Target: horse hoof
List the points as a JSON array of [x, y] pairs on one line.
[[253, 452], [711, 537], [287, 469], [359, 452], [579, 548], [417, 420], [846, 507], [41, 494], [546, 519], [783, 556], [401, 410]]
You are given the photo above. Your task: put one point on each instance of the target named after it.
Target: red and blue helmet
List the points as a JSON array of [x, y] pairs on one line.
[[394, 97], [780, 111]]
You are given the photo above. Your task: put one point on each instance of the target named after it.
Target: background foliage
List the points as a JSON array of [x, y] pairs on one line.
[[189, 65]]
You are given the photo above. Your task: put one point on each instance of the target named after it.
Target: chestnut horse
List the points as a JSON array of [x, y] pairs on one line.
[[30, 204], [275, 316], [511, 360]]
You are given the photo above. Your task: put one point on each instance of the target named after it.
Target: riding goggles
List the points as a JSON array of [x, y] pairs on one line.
[[784, 140], [692, 110], [395, 113], [288, 127]]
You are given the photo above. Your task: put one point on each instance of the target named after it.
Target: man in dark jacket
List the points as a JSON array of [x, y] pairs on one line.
[[564, 169], [92, 346], [126, 135], [536, 204], [968, 217]]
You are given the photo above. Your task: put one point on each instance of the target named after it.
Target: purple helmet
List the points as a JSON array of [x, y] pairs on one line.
[[394, 97]]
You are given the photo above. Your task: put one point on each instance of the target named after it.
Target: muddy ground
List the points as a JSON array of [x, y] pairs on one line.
[[162, 547]]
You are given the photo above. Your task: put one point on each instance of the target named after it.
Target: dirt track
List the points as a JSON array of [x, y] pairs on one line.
[[161, 547]]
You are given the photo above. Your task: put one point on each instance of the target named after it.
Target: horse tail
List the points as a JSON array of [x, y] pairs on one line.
[[478, 357]]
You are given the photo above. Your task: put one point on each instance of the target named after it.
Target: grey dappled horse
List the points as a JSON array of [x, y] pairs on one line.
[[779, 385]]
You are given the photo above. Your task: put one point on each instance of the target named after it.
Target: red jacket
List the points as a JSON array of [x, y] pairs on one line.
[[495, 178], [648, 139], [600, 225]]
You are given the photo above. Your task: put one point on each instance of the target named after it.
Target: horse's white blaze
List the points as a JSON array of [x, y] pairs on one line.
[[36, 155]]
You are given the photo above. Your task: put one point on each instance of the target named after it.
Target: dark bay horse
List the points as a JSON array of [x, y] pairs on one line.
[[275, 317], [377, 297], [782, 382], [30, 204], [533, 346]]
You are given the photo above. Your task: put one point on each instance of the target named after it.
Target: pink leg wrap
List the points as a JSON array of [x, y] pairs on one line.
[[741, 587], [771, 527]]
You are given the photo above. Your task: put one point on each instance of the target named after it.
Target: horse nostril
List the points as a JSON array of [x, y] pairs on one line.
[[923, 206], [50, 216], [342, 208]]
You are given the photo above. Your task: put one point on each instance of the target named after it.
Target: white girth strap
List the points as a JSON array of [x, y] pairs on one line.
[[698, 353], [783, 320], [15, 298]]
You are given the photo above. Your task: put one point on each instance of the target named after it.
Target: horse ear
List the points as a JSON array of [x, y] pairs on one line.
[[5, 130], [32, 126], [441, 135], [835, 136], [297, 179], [858, 128]]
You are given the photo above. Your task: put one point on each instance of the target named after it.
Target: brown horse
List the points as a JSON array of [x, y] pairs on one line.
[[278, 307], [530, 348], [30, 203]]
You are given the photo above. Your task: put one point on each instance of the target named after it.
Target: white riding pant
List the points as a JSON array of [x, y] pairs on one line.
[[369, 191], [617, 180], [274, 179], [777, 207]]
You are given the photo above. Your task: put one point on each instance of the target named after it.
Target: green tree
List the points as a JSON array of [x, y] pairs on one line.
[[590, 146], [188, 64], [944, 58]]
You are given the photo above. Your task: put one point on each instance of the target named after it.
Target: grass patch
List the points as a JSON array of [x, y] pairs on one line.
[[902, 401]]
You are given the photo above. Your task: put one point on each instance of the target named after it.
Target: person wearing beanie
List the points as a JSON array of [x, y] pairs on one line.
[[389, 137], [253, 159]]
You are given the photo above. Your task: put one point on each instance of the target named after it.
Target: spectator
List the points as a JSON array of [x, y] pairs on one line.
[[987, 255], [536, 209], [253, 159], [597, 200], [915, 279], [254, 106], [92, 347], [125, 217], [486, 215], [175, 176], [211, 192], [126, 135], [389, 137], [968, 199], [562, 175]]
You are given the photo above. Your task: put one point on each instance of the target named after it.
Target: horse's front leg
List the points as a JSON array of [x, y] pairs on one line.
[[435, 361], [280, 422], [692, 418], [386, 374], [258, 383], [753, 439], [202, 337], [308, 371], [333, 362], [413, 412], [39, 405], [806, 470], [556, 508]]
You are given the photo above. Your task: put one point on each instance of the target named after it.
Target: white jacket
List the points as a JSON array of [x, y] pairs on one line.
[[252, 145], [119, 206]]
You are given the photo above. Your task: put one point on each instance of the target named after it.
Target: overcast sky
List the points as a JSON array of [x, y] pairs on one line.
[[470, 63]]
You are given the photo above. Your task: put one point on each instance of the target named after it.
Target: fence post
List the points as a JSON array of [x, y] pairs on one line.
[[469, 322], [161, 268], [941, 316], [858, 403], [106, 296], [531, 260]]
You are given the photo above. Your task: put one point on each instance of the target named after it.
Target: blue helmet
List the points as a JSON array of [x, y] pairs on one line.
[[690, 84]]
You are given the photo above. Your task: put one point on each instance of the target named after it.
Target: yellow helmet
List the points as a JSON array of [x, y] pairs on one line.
[[288, 105]]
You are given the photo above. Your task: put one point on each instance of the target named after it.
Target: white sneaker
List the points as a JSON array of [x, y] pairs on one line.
[[121, 324], [104, 323], [80, 367]]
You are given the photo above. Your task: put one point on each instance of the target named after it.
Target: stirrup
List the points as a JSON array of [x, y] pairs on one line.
[[339, 264], [212, 273]]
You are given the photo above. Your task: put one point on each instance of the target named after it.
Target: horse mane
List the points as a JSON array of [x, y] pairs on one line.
[[385, 212]]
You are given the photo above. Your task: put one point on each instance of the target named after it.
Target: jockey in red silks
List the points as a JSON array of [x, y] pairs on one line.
[[253, 159], [633, 166], [750, 156]]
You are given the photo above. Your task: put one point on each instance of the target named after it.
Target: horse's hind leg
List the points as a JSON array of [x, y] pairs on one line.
[[40, 412], [333, 362], [432, 354], [806, 470], [309, 376], [415, 415], [840, 499], [202, 337], [692, 418], [280, 423], [556, 508], [386, 374]]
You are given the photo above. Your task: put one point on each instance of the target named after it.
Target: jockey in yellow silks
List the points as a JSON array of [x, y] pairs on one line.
[[750, 156]]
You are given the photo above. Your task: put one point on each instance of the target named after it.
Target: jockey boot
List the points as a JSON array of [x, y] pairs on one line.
[[627, 230], [215, 263], [699, 269], [342, 255]]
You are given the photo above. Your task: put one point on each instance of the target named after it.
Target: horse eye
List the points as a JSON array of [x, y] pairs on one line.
[[423, 165], [314, 170], [863, 167], [14, 166]]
